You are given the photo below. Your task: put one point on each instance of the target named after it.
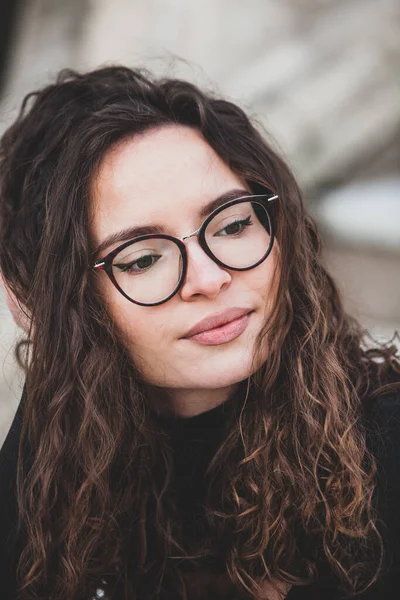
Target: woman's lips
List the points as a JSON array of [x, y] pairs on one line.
[[223, 334]]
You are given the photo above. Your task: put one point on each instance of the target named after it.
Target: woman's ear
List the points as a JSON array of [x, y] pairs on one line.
[[19, 316]]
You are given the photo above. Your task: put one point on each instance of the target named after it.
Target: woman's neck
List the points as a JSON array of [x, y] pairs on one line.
[[191, 402]]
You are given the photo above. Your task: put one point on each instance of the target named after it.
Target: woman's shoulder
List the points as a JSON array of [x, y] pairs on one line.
[[382, 417], [8, 479], [9, 449], [382, 422], [383, 440], [8, 501], [11, 441], [386, 398]]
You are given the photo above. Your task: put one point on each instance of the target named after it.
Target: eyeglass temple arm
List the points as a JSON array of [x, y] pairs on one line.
[[99, 266]]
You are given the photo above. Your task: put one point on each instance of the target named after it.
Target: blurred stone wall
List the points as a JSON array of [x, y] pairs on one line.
[[322, 76]]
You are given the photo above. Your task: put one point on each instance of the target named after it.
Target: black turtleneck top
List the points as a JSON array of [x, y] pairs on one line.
[[194, 441]]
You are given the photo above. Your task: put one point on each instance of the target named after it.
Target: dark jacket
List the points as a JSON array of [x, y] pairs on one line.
[[383, 420]]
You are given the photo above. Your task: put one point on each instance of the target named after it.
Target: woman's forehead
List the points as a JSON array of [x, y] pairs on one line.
[[159, 175]]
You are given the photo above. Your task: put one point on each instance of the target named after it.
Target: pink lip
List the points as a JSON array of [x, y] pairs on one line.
[[220, 328]]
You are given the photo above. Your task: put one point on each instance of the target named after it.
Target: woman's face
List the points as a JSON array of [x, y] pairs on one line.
[[166, 176]]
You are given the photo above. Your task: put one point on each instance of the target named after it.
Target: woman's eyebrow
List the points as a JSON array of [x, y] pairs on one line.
[[131, 232], [217, 202]]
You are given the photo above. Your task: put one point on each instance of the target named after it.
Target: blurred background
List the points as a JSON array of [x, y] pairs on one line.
[[322, 77]]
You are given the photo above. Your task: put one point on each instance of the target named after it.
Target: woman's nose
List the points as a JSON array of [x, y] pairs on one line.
[[203, 276]]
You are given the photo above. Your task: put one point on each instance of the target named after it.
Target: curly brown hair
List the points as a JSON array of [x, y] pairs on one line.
[[93, 499]]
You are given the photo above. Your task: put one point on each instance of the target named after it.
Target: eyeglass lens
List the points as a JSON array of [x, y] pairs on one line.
[[149, 271]]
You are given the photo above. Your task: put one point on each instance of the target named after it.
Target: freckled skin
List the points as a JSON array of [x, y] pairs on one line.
[[166, 175]]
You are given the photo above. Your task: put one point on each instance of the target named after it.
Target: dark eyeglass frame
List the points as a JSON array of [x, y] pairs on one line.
[[105, 263]]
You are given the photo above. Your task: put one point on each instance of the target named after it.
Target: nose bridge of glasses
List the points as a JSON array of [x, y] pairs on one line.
[[194, 234], [201, 244]]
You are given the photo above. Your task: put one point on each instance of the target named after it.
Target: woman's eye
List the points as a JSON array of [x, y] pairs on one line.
[[140, 264], [236, 227]]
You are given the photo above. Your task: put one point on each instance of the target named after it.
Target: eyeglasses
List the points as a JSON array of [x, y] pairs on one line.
[[150, 269]]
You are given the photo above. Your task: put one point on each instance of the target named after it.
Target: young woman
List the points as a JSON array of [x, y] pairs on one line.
[[201, 418]]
